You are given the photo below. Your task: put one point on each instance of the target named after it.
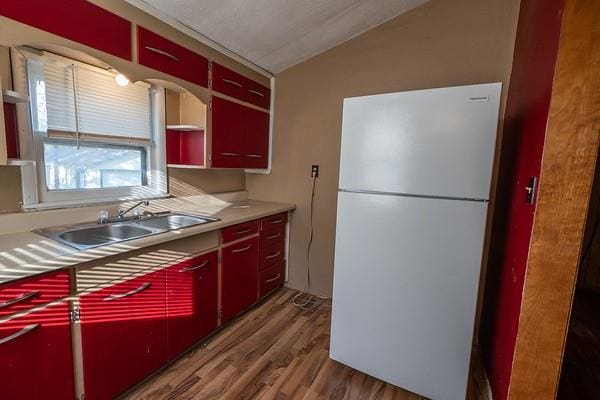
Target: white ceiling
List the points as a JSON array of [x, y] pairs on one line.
[[277, 34]]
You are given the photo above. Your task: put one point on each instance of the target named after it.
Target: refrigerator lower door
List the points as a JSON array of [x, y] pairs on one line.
[[405, 289]]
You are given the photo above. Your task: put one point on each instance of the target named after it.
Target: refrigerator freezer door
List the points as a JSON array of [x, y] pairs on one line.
[[405, 289], [437, 142]]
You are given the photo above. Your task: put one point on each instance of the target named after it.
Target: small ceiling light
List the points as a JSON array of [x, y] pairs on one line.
[[122, 80]]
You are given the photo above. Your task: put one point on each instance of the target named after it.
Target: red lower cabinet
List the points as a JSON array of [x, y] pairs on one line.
[[192, 302], [239, 277], [36, 359], [123, 334]]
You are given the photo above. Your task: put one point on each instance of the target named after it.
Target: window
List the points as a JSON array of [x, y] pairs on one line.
[[93, 140]]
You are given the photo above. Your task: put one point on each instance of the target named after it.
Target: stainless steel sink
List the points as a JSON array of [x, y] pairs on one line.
[[173, 221], [103, 234], [89, 235]]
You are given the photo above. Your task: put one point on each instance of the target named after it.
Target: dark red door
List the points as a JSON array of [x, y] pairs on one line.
[[124, 335], [256, 139], [192, 302], [227, 133], [239, 277], [522, 146], [36, 360]]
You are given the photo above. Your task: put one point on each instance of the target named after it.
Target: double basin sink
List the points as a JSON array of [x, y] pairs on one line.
[[86, 236]]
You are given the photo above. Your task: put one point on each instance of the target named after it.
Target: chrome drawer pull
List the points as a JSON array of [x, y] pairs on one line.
[[230, 154], [24, 331], [142, 287], [256, 93], [275, 236], [277, 221], [162, 53], [242, 249], [273, 255], [242, 231], [188, 269], [20, 299], [273, 279], [232, 82], [254, 155]]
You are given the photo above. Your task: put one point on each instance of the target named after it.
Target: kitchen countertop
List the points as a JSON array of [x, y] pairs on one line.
[[27, 254]]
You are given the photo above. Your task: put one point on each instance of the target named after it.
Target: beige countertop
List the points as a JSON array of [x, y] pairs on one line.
[[27, 254]]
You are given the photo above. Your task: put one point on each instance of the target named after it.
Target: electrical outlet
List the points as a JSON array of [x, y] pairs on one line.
[[314, 172]]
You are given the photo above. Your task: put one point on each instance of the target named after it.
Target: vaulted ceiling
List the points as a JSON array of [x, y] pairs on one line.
[[277, 34]]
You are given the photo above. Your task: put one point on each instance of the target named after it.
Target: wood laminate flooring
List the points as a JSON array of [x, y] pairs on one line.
[[274, 352]]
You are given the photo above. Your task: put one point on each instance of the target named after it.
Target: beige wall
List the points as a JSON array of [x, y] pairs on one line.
[[442, 43]]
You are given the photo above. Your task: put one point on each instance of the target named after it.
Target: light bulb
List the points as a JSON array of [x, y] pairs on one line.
[[122, 80]]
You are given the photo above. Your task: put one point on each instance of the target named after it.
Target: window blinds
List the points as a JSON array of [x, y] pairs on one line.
[[100, 105]]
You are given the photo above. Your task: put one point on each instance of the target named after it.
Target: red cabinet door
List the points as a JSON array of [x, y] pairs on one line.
[[256, 139], [161, 54], [239, 277], [36, 360], [78, 20], [192, 148], [173, 147], [227, 133], [257, 94], [228, 82], [123, 333], [192, 302]]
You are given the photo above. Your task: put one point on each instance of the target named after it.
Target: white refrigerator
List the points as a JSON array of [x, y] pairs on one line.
[[414, 185]]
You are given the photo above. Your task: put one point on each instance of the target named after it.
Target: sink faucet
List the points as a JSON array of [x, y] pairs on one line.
[[121, 213], [103, 217]]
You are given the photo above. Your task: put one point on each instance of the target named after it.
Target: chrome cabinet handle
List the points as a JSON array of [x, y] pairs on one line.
[[273, 255], [275, 236], [142, 287], [20, 299], [162, 53], [242, 249], [256, 93], [188, 269], [24, 331], [277, 221], [242, 231], [230, 154], [234, 83], [254, 155], [273, 279]]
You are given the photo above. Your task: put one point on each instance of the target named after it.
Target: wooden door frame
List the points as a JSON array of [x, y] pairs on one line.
[[566, 178]]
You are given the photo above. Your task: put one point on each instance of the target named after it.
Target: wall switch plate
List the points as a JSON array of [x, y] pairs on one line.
[[314, 172]]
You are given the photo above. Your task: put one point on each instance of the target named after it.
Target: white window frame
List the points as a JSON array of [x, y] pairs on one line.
[[31, 141]]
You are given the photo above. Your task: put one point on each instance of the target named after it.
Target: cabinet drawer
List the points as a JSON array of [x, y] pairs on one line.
[[78, 20], [257, 94], [271, 278], [36, 356], [272, 236], [123, 334], [271, 254], [228, 82], [33, 292], [273, 222], [239, 231], [161, 54]]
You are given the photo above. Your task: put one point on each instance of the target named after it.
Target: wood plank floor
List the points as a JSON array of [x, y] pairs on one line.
[[275, 351]]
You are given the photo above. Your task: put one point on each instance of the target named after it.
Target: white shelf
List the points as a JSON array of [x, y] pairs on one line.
[[183, 166], [185, 128], [10, 96], [21, 163]]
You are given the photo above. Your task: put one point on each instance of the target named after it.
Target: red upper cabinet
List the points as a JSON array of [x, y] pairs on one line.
[[240, 136], [255, 148], [77, 20], [192, 302], [161, 54], [227, 134], [235, 85], [123, 334]]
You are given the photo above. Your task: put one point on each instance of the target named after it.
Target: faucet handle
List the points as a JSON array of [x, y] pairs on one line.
[[103, 217]]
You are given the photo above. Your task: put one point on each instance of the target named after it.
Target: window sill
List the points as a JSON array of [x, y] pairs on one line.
[[86, 203]]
